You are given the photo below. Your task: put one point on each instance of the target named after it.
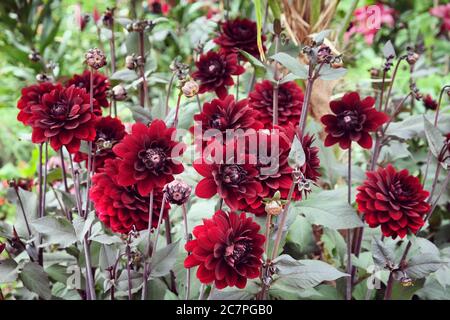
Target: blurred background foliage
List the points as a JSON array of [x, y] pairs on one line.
[[52, 28]]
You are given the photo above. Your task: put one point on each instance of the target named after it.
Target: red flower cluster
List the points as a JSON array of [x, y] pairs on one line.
[[227, 250], [353, 119], [101, 86], [290, 102], [394, 200], [31, 99], [429, 103], [63, 117], [148, 157], [109, 132], [122, 208], [214, 71], [238, 34], [442, 12]]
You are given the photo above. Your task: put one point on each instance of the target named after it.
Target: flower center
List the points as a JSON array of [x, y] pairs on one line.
[[215, 122], [236, 251], [233, 174], [351, 120], [153, 158], [59, 110]]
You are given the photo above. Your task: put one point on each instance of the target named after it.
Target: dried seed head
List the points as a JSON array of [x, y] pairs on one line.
[[337, 63], [34, 56], [412, 57], [177, 192], [119, 92], [95, 58], [42, 77], [131, 62], [108, 18], [274, 208], [190, 88]]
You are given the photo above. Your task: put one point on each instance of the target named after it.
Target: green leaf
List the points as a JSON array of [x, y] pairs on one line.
[[319, 37], [125, 75], [233, 293], [330, 209], [274, 6], [305, 274], [296, 154], [292, 64], [259, 22], [328, 73], [413, 126], [36, 280], [434, 137], [420, 266], [82, 225], [382, 254], [260, 68], [164, 260], [8, 271], [141, 114], [388, 50], [58, 230], [30, 206]]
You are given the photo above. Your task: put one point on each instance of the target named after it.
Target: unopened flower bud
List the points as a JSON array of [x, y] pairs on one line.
[[95, 58], [274, 208], [108, 18], [177, 192], [42, 77], [34, 56], [119, 92], [374, 73], [324, 54], [412, 58], [190, 88], [130, 62], [277, 29]]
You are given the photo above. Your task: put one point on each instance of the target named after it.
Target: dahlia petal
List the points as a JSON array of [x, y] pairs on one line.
[[330, 140], [38, 135], [365, 140], [221, 92], [206, 188], [65, 136], [191, 261]]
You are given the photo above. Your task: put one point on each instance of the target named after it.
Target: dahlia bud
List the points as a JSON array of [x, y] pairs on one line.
[[131, 62], [374, 73], [274, 208], [42, 77], [108, 18], [324, 54], [412, 56], [34, 56], [119, 92], [337, 63], [190, 88], [277, 29], [95, 58], [429, 102], [177, 192]]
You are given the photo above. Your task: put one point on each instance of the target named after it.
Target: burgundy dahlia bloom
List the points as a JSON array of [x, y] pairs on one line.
[[214, 71], [227, 250], [442, 12], [352, 120], [2, 247], [225, 114], [239, 34], [393, 199], [64, 118], [109, 132], [148, 157], [122, 209], [101, 86], [31, 96], [429, 103], [236, 184], [290, 101]]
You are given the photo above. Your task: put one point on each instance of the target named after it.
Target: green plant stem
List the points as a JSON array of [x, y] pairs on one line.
[[63, 168], [144, 87], [168, 232], [89, 163], [169, 89], [394, 75], [149, 246], [187, 236], [276, 85], [175, 121], [112, 45], [130, 285], [305, 107]]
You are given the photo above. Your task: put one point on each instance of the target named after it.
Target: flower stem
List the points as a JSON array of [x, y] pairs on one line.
[[168, 232], [144, 87], [89, 163], [175, 121], [348, 292], [130, 285], [63, 168], [169, 89], [276, 85], [198, 103], [149, 246], [112, 45], [392, 83], [305, 107], [187, 236]]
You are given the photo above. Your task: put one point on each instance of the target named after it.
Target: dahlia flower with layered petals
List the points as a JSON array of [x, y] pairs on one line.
[[101, 86], [31, 96], [123, 209], [239, 34], [109, 132], [290, 102], [394, 200], [227, 250], [148, 157], [63, 118], [352, 120], [215, 71]]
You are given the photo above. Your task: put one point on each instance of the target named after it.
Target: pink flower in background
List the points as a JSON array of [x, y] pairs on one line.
[[368, 21], [442, 12]]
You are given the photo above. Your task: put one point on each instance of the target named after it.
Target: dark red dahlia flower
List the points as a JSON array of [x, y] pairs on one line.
[[442, 12], [236, 184], [122, 208], [239, 34], [394, 200], [101, 86], [281, 178], [2, 247], [214, 71], [225, 114], [148, 157], [64, 118], [352, 120], [109, 132], [227, 250], [290, 101], [31, 96], [429, 103]]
